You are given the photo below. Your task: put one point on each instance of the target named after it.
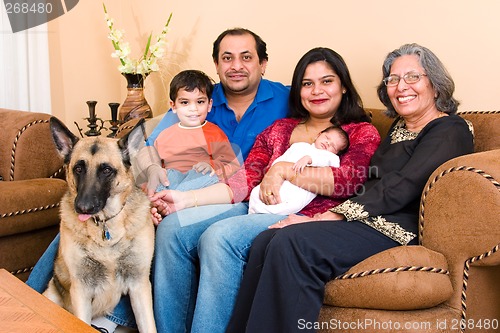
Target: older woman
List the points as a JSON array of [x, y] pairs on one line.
[[215, 239], [290, 264]]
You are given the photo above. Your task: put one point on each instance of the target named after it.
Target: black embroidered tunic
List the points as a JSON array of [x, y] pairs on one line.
[[399, 170]]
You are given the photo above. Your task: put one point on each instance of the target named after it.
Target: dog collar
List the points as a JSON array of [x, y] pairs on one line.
[[105, 231], [106, 235]]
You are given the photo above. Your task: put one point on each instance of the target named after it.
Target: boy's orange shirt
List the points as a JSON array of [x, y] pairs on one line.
[[182, 147]]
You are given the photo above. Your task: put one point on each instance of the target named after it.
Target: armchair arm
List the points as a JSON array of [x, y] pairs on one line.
[[460, 210], [26, 147], [460, 206]]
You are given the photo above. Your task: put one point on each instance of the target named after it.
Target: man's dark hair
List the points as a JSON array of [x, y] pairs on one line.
[[260, 45]]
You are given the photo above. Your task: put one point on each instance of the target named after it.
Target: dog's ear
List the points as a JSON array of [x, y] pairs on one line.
[[133, 141], [63, 138]]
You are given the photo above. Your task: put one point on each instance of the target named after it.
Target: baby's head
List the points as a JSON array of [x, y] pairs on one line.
[[191, 97], [334, 139]]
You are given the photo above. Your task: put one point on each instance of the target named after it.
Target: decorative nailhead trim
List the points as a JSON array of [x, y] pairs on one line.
[[439, 176], [473, 259], [393, 270], [466, 279], [478, 112], [58, 172], [30, 210], [21, 271], [14, 147]]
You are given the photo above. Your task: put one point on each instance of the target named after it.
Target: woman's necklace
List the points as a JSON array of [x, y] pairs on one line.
[[311, 139]]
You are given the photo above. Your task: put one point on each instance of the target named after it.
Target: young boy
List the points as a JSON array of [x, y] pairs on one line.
[[325, 151], [195, 152]]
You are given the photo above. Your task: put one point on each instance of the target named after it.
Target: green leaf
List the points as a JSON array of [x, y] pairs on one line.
[[147, 46]]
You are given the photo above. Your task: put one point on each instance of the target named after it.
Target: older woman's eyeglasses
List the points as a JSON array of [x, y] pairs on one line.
[[410, 78]]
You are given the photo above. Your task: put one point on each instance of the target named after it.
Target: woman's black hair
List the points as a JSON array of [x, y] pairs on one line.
[[351, 107]]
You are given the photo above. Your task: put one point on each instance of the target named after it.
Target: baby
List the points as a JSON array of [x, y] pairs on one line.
[[325, 151]]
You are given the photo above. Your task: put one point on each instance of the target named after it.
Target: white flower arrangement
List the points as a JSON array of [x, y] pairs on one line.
[[148, 62]]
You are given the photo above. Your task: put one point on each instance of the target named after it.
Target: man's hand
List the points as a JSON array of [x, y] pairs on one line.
[[156, 176]]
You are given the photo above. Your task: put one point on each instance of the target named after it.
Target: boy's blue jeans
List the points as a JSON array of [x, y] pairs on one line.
[[190, 180]]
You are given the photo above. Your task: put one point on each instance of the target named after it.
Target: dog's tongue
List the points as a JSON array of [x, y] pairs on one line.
[[83, 217]]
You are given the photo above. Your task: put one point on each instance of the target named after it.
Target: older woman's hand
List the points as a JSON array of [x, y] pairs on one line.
[[292, 219], [295, 219], [272, 181]]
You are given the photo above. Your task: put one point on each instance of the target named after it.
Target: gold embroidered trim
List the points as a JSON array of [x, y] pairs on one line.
[[351, 210], [471, 127], [390, 229], [399, 133], [355, 211]]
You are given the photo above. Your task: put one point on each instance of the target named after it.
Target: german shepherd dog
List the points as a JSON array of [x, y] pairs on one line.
[[107, 235]]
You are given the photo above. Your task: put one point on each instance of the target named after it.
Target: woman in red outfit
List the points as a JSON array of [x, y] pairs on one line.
[[216, 238]]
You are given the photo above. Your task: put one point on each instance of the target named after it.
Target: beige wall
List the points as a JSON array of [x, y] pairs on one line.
[[464, 34]]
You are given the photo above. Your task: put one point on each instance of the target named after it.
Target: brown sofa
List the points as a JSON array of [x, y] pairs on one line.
[[454, 274], [30, 189]]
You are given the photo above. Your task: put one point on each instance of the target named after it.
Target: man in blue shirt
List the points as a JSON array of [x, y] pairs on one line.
[[244, 103]]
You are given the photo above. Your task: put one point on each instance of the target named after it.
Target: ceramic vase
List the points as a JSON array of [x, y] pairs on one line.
[[135, 104]]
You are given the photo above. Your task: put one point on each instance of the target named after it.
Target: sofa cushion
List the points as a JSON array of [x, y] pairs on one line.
[[27, 150], [486, 129], [28, 205], [401, 278]]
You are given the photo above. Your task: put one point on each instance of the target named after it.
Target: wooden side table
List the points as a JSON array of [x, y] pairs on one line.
[[24, 310]]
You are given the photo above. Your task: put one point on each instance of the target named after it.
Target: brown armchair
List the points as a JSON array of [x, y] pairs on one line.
[[30, 189], [452, 277]]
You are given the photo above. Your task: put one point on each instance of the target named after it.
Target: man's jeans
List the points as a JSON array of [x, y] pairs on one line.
[[200, 255]]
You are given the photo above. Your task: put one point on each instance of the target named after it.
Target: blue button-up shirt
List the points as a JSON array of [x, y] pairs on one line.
[[270, 104]]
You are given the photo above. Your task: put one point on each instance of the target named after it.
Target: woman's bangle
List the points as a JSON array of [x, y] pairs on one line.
[[293, 177], [195, 199]]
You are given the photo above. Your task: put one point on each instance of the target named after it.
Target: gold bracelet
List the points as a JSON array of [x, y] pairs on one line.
[[293, 177], [195, 199]]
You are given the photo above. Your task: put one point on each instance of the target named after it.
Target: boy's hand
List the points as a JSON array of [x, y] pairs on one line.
[[204, 168], [300, 165]]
